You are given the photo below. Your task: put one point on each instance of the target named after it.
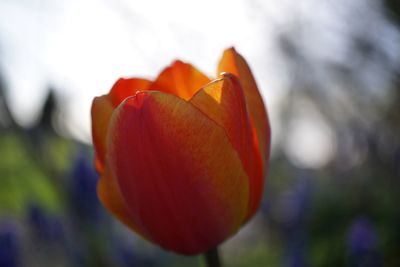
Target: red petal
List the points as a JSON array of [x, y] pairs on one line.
[[180, 79], [179, 175], [124, 88], [110, 197], [102, 110], [223, 101], [234, 63]]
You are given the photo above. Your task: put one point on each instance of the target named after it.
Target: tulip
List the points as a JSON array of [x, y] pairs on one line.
[[182, 159]]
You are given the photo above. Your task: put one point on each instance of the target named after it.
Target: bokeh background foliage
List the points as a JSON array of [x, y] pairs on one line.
[[329, 72]]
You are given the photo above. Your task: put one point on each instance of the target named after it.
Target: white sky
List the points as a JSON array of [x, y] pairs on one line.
[[83, 47]]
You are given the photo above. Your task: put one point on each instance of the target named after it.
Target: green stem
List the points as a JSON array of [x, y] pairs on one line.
[[212, 258]]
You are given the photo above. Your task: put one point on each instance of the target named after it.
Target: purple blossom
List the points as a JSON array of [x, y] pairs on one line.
[[362, 244], [83, 194], [9, 247]]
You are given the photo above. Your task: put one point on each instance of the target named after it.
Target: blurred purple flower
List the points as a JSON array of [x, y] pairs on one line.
[[84, 199], [286, 213], [128, 257], [44, 226], [296, 252], [362, 236], [9, 247], [288, 209], [362, 243]]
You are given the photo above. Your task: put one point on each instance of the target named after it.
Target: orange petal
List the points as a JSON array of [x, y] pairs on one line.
[[110, 197], [223, 101], [124, 88], [180, 79], [179, 175], [234, 63], [102, 110]]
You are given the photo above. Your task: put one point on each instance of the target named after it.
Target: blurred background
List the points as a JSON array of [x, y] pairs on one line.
[[329, 72]]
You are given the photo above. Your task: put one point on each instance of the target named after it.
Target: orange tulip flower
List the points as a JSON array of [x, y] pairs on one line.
[[183, 158]]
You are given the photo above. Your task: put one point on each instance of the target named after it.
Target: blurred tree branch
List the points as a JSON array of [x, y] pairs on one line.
[[32, 139]]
